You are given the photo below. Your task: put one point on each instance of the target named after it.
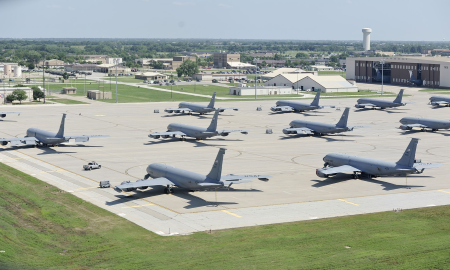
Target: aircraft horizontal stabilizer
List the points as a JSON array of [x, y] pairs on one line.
[[209, 185], [420, 166]]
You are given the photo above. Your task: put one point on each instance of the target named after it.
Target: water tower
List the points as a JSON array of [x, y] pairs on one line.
[[366, 38]]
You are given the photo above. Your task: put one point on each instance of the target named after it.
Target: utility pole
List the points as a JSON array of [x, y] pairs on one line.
[[382, 75], [116, 62], [43, 78]]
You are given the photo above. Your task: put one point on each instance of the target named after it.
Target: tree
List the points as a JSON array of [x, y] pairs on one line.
[[10, 98], [187, 68], [263, 63], [37, 93], [334, 59], [31, 66], [277, 56], [65, 76], [301, 55], [157, 65], [19, 95]]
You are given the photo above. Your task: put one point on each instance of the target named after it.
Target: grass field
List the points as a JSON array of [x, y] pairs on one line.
[[434, 90], [42, 227], [67, 101], [331, 73], [129, 79]]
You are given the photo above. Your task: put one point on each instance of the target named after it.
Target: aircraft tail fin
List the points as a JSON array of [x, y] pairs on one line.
[[213, 100], [213, 125], [411, 76], [60, 133], [399, 97], [315, 101], [344, 118], [410, 153], [216, 170]]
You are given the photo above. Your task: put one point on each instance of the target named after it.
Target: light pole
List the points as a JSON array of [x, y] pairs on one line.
[[43, 78], [116, 62], [382, 75]]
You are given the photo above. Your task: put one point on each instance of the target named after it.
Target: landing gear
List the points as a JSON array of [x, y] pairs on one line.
[[356, 175], [434, 129], [168, 190], [183, 139]]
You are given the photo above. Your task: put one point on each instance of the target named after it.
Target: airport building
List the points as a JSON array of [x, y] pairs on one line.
[[150, 76], [243, 90], [221, 60], [273, 74], [313, 83], [52, 63], [409, 71]]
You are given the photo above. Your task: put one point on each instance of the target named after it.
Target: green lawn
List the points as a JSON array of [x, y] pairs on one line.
[[359, 93], [42, 227], [434, 90], [67, 101], [129, 79], [330, 73]]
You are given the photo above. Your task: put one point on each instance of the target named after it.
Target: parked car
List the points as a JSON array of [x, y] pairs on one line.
[[92, 165]]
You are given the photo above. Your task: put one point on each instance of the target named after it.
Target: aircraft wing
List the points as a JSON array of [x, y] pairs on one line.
[[440, 102], [167, 133], [353, 127], [339, 169], [228, 108], [331, 106], [161, 181], [82, 138], [226, 132], [20, 141], [282, 109], [9, 113], [178, 110], [416, 126], [420, 166], [237, 178], [298, 131], [367, 104]]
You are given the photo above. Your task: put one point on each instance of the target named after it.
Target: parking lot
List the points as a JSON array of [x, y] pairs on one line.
[[294, 192]]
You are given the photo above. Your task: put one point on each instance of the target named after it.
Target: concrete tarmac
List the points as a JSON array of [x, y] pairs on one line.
[[294, 193]]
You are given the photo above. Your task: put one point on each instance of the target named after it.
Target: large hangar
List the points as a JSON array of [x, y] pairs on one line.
[[409, 71]]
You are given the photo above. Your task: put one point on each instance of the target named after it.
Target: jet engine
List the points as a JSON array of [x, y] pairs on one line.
[[224, 134], [286, 131], [145, 187], [405, 127], [275, 109], [4, 143], [82, 139], [154, 136], [165, 136], [169, 111], [359, 106], [2, 115], [124, 189], [221, 110]]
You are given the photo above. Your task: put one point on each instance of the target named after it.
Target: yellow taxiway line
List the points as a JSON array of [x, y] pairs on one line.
[[53, 171], [138, 205], [443, 191], [233, 214], [347, 202]]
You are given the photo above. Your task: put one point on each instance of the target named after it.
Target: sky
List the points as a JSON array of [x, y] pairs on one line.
[[400, 20]]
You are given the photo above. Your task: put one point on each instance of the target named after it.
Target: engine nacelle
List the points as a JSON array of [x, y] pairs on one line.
[[4, 143], [405, 127], [154, 136], [140, 180], [169, 111], [359, 106], [286, 131], [275, 109], [221, 110], [434, 103], [82, 139], [2, 115], [177, 111], [165, 136], [224, 134]]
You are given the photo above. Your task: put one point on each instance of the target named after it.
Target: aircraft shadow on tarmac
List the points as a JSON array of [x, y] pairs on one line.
[[186, 114], [345, 177], [192, 200], [327, 138], [8, 121], [193, 141], [300, 113], [411, 132], [386, 111], [54, 150]]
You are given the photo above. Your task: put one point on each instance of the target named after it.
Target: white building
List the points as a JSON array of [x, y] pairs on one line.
[[313, 83], [5, 91], [243, 90], [113, 60], [273, 74]]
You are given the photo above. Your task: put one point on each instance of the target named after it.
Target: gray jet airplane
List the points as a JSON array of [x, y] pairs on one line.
[[198, 133], [168, 176], [3, 114], [198, 108], [340, 163], [408, 123], [317, 128], [37, 136], [440, 100], [296, 106], [383, 104]]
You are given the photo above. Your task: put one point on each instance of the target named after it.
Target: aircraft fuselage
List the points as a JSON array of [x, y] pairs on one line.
[[318, 127], [430, 123], [198, 108], [379, 103], [181, 178], [298, 106], [191, 131], [45, 137], [368, 165]]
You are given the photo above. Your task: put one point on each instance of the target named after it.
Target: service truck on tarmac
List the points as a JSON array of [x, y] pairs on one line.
[[92, 165]]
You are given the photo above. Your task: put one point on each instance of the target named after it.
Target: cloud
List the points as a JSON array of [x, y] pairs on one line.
[[179, 3], [224, 6]]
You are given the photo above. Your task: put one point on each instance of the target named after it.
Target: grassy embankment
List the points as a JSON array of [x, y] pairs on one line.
[[42, 227]]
